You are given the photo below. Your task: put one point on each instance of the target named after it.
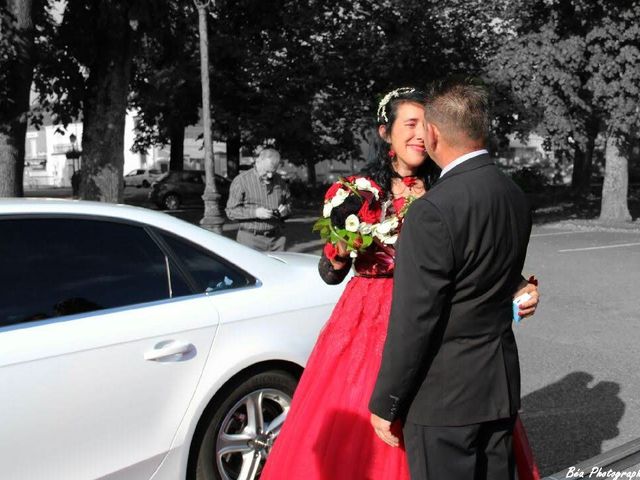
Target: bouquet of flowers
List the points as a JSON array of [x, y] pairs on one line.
[[353, 213]]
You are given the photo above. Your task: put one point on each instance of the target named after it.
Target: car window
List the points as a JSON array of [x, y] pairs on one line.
[[173, 177], [61, 266], [209, 272], [192, 177], [154, 172]]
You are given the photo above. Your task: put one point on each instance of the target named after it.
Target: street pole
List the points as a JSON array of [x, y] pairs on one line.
[[212, 219]]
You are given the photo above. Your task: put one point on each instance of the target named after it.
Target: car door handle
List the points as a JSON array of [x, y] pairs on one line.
[[168, 349]]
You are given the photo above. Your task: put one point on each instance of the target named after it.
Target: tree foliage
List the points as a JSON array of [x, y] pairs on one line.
[[85, 72], [570, 69], [16, 71], [166, 88]]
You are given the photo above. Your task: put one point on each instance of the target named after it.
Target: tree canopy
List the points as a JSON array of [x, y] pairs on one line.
[[568, 71]]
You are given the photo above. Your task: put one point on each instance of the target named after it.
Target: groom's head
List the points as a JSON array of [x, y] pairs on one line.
[[456, 117]]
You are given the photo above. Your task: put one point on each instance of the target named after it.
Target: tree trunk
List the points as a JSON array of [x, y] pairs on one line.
[[233, 151], [583, 166], [311, 172], [581, 179], [615, 188], [176, 157], [105, 106], [14, 112], [577, 178]]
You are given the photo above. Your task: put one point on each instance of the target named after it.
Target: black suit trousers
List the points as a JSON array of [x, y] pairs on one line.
[[482, 451]]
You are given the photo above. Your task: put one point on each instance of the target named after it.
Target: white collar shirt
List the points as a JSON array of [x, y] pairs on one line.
[[462, 159]]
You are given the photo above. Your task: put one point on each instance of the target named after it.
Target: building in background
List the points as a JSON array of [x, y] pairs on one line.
[[47, 150]]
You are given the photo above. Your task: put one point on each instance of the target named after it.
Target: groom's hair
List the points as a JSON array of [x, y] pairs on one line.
[[459, 105]]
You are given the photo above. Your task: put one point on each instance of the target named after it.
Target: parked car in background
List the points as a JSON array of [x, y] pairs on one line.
[[176, 189], [134, 345], [141, 177]]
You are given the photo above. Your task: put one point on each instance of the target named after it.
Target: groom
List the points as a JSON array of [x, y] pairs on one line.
[[450, 363]]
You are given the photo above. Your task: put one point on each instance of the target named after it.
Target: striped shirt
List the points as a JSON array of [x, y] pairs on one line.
[[247, 192]]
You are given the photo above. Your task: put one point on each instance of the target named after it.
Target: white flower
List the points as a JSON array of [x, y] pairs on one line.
[[363, 184], [352, 223], [339, 198], [353, 254], [391, 240], [382, 106], [326, 210], [383, 229], [393, 222], [365, 228]]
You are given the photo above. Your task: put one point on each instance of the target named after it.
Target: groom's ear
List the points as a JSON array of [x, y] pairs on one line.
[[432, 135], [382, 131]]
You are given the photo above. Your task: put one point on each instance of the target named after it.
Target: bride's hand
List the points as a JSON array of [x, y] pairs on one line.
[[339, 262], [528, 308]]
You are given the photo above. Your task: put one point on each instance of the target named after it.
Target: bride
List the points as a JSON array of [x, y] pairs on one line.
[[327, 434]]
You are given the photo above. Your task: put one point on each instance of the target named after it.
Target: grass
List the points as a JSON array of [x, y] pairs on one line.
[[559, 203]]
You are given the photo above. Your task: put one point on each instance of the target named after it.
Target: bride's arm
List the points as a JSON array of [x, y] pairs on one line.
[[333, 270]]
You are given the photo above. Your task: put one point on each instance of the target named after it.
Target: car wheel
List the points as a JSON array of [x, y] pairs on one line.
[[243, 427], [145, 184], [171, 201]]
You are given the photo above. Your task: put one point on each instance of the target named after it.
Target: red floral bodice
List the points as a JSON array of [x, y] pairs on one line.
[[379, 259]]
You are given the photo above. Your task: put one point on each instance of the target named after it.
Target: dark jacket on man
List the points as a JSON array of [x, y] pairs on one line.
[[450, 356]]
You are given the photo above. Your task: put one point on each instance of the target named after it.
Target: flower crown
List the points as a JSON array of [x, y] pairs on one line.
[[382, 106]]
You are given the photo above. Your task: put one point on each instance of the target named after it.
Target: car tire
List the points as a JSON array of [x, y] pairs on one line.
[[145, 184], [271, 391], [171, 201]]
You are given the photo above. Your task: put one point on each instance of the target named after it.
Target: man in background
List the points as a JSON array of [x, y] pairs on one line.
[[259, 198]]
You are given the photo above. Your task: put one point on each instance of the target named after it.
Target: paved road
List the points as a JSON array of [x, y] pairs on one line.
[[579, 354], [580, 378]]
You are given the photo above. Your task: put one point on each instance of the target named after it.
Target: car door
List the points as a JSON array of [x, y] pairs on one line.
[[102, 344]]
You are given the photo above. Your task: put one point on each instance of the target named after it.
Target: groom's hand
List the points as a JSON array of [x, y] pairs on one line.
[[529, 307], [383, 430]]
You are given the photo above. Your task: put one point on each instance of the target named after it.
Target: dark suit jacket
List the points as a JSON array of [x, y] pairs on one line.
[[450, 356]]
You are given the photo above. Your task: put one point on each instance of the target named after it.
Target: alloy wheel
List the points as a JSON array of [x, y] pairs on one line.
[[247, 433]]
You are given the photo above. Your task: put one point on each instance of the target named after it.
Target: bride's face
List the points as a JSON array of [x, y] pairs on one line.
[[407, 135]]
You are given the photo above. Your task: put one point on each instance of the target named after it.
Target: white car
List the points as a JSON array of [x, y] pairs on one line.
[[134, 345], [141, 177]]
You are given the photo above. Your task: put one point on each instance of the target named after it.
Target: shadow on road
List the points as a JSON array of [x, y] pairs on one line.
[[568, 421]]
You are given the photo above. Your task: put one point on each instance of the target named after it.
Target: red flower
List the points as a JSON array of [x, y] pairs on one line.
[[357, 242], [409, 181], [330, 251], [370, 212], [375, 185], [331, 192], [399, 203]]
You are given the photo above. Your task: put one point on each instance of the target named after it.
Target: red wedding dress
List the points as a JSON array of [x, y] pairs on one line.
[[327, 434]]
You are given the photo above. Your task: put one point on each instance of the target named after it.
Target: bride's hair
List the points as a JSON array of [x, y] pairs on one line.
[[379, 163]]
